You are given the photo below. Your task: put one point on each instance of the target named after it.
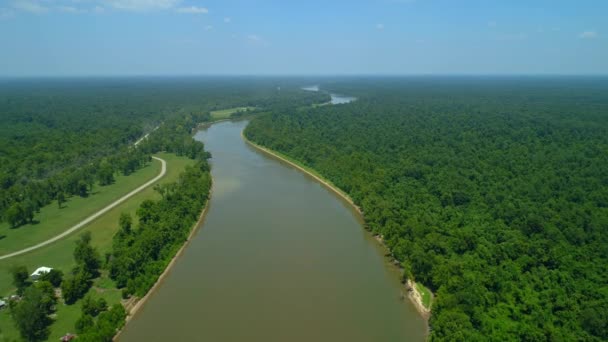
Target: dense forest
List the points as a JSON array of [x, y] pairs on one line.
[[492, 192], [60, 137]]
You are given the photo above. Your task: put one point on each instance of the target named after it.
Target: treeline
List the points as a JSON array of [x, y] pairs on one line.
[[491, 192], [61, 137], [139, 255], [22, 200]]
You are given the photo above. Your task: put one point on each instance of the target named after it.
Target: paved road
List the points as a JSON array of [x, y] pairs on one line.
[[91, 218]]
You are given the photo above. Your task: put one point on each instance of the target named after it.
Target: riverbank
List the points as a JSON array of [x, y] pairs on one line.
[[413, 293], [134, 306]]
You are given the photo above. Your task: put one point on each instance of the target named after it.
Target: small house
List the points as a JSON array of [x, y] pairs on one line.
[[40, 271], [2, 304]]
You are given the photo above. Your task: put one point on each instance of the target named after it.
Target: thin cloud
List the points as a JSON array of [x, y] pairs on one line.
[[492, 23], [29, 6], [141, 5], [513, 36], [208, 28], [227, 20], [254, 39], [192, 10], [6, 13], [70, 9], [588, 35], [380, 26]]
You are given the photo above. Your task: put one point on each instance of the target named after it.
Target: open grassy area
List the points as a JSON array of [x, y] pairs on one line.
[[427, 297], [226, 113], [53, 220], [59, 255]]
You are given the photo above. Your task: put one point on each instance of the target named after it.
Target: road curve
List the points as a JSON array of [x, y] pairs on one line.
[[91, 218]]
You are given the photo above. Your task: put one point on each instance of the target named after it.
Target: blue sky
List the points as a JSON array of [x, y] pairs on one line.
[[175, 37]]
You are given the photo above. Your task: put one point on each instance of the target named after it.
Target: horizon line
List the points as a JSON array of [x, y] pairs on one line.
[[295, 75]]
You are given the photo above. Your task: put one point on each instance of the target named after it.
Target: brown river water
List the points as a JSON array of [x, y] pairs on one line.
[[278, 258]]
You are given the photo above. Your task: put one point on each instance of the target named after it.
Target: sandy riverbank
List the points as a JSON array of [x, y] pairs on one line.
[[410, 286]]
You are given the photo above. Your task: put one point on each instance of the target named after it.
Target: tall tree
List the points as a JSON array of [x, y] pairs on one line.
[[86, 255], [20, 278], [15, 215], [60, 198], [31, 314]]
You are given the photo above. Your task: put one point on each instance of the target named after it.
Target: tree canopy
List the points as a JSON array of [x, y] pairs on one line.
[[493, 192]]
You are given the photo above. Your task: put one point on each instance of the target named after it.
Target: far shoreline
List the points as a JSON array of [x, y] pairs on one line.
[[413, 294]]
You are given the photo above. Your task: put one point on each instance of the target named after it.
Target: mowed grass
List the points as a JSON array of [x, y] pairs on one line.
[[60, 255], [427, 297], [53, 220], [226, 113]]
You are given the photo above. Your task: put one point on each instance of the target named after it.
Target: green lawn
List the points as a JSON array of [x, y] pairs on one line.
[[427, 297], [226, 113], [59, 255], [54, 221]]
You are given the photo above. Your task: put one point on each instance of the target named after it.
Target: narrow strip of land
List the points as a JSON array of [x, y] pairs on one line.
[[91, 218]]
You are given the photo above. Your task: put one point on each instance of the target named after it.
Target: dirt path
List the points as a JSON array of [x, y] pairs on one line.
[[91, 218]]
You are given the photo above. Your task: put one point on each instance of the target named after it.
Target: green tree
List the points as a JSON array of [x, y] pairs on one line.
[[105, 173], [86, 255], [20, 278], [28, 211], [92, 306], [82, 188], [74, 287], [107, 325], [31, 314], [125, 221], [60, 198], [84, 323], [55, 277], [15, 215]]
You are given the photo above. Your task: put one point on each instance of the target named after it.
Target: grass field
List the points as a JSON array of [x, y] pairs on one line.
[[53, 220], [59, 255], [226, 113], [427, 297]]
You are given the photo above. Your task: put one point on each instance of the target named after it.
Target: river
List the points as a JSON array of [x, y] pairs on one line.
[[335, 98], [278, 258]]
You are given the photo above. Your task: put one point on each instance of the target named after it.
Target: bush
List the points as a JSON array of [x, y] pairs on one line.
[[75, 287], [93, 307], [107, 325], [84, 323]]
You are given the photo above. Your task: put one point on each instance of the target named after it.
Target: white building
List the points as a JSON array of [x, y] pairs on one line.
[[40, 271]]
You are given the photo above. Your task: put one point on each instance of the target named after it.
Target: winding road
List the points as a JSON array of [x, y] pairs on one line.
[[91, 218]]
